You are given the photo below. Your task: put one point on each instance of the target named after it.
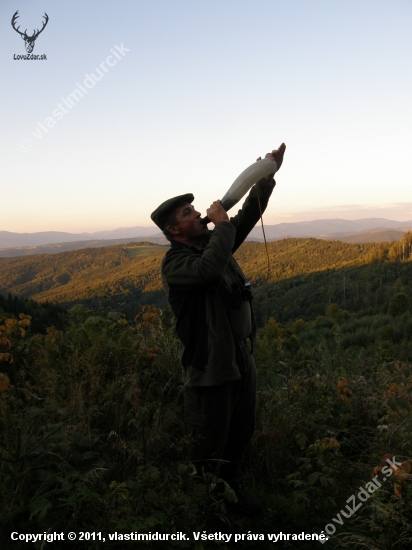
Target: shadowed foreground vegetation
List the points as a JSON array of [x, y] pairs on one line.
[[93, 438]]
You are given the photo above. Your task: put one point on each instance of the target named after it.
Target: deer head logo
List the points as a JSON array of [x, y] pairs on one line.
[[28, 40]]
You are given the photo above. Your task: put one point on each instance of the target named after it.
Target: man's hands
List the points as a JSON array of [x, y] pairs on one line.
[[216, 213], [276, 155]]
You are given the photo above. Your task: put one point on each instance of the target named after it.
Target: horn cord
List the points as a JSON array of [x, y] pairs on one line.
[[263, 229]]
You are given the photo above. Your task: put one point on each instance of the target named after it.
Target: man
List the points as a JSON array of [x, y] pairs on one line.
[[211, 300]]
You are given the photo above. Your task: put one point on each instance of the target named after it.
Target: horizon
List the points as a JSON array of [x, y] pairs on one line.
[[156, 230]]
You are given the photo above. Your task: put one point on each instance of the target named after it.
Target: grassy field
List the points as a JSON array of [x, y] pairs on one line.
[[144, 250]]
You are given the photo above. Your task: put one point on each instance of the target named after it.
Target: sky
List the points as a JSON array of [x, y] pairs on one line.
[[188, 94]]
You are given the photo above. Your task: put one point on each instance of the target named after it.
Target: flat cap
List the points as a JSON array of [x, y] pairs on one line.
[[162, 212]]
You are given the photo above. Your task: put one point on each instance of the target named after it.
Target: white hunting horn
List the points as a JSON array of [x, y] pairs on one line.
[[242, 184]]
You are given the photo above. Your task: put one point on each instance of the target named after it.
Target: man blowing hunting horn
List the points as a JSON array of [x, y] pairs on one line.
[[211, 300]]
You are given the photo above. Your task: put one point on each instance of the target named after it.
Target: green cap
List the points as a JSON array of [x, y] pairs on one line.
[[162, 212]]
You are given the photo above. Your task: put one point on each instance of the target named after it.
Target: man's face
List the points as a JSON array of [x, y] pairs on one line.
[[188, 222]]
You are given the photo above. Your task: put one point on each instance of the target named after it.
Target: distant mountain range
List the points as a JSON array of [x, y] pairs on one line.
[[9, 239], [329, 229], [75, 245], [52, 242]]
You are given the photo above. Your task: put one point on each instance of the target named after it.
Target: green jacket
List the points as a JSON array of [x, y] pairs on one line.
[[196, 283]]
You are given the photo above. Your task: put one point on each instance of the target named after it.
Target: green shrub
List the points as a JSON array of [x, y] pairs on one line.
[[92, 431]]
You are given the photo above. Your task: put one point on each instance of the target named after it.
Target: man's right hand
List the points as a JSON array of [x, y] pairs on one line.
[[216, 213]]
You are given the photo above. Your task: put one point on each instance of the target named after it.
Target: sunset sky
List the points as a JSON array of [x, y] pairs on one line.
[[192, 93]]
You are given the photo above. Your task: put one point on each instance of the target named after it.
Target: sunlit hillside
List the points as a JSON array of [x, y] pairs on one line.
[[129, 276]]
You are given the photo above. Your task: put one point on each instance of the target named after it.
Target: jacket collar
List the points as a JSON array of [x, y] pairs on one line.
[[176, 245]]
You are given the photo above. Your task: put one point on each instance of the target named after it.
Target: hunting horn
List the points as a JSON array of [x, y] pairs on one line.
[[244, 182]]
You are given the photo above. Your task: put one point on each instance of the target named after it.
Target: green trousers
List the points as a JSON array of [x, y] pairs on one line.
[[221, 419]]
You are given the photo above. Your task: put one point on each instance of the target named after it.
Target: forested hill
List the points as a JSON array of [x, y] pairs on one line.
[[306, 275], [96, 276], [125, 277], [290, 257]]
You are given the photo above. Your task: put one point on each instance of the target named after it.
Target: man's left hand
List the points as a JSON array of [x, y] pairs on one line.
[[276, 155]]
